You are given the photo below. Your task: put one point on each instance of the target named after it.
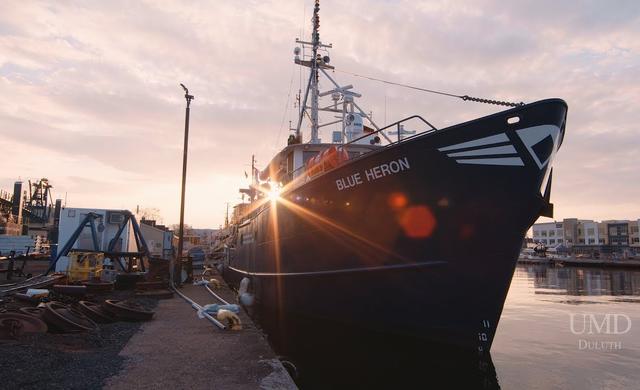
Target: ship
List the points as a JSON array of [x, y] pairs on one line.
[[385, 229]]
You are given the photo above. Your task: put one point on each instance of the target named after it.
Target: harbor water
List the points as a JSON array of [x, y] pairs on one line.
[[569, 328]]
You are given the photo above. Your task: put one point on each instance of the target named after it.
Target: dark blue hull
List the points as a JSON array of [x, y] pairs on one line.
[[419, 239]]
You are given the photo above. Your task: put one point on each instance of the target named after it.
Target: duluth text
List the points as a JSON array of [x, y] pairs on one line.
[[374, 173]]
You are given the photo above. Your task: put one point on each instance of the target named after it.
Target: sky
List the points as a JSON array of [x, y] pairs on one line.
[[90, 96]]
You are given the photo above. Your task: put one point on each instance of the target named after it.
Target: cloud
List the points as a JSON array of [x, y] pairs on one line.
[[89, 90]]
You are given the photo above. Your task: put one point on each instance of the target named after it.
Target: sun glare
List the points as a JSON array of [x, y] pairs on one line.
[[274, 193]]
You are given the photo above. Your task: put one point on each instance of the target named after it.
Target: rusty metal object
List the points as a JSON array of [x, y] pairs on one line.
[[71, 290], [26, 298], [158, 269], [128, 281], [32, 311], [127, 311], [66, 319], [13, 325], [39, 313], [35, 282], [96, 287], [96, 312]]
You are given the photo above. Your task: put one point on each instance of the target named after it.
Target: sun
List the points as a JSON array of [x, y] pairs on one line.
[[274, 193]]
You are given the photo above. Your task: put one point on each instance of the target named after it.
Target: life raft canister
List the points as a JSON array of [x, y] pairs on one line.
[[327, 159]]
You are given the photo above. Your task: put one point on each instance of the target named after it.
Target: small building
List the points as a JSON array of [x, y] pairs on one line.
[[158, 238], [206, 236]]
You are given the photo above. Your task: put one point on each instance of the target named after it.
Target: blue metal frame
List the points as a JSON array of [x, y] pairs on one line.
[[112, 244], [89, 220]]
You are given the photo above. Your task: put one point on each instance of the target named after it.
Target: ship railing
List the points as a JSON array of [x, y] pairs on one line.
[[399, 129], [294, 175]]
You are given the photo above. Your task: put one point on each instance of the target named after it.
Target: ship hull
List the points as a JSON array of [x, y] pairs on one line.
[[417, 240]]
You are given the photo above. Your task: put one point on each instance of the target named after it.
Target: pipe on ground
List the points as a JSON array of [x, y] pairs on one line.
[[198, 308]]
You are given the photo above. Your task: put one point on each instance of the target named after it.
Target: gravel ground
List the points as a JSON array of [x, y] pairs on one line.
[[66, 361]]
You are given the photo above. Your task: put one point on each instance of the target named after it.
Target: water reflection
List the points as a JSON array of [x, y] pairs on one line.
[[536, 346], [581, 281]]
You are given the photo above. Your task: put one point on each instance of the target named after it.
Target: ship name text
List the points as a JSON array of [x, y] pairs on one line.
[[373, 173]]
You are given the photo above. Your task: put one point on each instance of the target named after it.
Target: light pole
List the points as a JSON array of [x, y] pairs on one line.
[[177, 276]]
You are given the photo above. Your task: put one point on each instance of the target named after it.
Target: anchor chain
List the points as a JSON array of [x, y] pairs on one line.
[[489, 101]]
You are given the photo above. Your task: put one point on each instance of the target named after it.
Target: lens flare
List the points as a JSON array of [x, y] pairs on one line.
[[331, 226], [274, 193], [398, 200], [418, 222]]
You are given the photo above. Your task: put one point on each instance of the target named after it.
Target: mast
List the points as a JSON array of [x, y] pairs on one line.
[[314, 64], [252, 190], [254, 179], [315, 41], [341, 95]]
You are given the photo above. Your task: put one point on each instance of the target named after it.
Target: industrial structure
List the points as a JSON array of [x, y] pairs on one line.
[[29, 213], [31, 221], [29, 208]]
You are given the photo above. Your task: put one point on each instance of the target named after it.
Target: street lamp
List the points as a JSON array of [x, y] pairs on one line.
[[177, 276]]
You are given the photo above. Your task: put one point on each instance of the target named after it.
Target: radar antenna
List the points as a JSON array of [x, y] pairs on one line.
[[342, 95]]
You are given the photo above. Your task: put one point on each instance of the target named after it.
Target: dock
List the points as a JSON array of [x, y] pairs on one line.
[[582, 262], [175, 349], [178, 350]]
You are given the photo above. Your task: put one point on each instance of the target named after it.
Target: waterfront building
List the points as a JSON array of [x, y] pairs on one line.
[[589, 236]]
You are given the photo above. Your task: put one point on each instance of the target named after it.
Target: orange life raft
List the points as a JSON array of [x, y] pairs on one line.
[[328, 159]]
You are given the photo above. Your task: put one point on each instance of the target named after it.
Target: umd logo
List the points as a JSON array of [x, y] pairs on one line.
[[611, 324]]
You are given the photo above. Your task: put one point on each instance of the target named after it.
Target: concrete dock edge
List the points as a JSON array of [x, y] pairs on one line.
[[178, 350]]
